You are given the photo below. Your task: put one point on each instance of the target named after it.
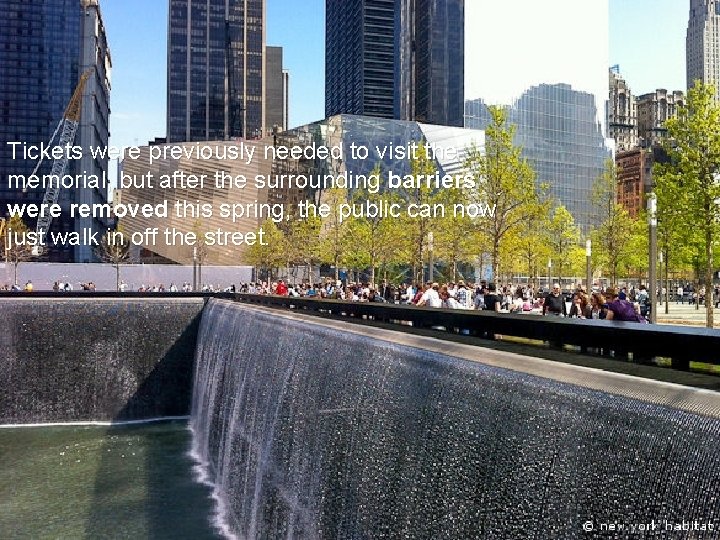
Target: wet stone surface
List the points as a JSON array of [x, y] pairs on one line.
[[313, 433], [93, 359]]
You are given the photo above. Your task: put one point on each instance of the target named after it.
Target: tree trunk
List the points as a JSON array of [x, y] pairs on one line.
[[667, 285], [16, 268], [117, 277], [709, 305]]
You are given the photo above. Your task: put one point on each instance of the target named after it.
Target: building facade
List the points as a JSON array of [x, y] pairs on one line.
[[359, 57], [395, 59], [634, 175], [46, 47], [216, 70], [653, 110], [621, 113], [430, 60], [200, 209], [560, 136], [702, 45], [276, 90]]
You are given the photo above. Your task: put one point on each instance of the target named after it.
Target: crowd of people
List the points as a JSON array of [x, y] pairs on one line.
[[600, 303]]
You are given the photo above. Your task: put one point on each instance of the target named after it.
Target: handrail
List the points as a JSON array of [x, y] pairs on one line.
[[682, 344]]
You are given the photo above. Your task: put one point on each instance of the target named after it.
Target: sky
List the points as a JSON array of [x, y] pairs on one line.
[[646, 39]]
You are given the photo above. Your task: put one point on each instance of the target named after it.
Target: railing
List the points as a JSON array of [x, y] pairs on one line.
[[644, 342]]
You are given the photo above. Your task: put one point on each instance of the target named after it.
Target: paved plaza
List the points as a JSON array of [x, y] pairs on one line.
[[685, 314]]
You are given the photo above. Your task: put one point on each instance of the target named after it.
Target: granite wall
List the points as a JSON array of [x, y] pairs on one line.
[[311, 432], [83, 359]]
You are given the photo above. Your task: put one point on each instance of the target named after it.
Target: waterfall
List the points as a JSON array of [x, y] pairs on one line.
[[310, 432]]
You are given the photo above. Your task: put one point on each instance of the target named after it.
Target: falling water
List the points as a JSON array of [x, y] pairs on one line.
[[308, 432]]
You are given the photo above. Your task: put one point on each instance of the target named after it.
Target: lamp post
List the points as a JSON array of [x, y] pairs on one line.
[[430, 256], [652, 222], [549, 267], [588, 265], [194, 268]]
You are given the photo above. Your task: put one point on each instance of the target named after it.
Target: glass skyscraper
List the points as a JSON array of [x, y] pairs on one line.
[[216, 62], [429, 70], [401, 59], [46, 46], [560, 135]]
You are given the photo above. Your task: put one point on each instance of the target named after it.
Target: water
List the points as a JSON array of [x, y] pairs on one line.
[[309, 432], [134, 481]]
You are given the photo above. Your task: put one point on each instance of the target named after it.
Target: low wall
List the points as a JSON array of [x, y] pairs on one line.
[[319, 431], [67, 359]]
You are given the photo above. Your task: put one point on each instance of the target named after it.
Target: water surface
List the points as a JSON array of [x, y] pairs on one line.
[[133, 481]]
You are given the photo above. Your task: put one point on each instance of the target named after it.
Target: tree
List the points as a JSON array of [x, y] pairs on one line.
[[417, 228], [504, 182], [693, 172], [334, 232], [114, 248], [373, 241], [613, 234], [563, 238], [454, 237], [15, 244], [302, 236], [271, 254], [200, 252]]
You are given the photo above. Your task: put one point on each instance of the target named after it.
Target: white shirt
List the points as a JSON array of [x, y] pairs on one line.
[[431, 298]]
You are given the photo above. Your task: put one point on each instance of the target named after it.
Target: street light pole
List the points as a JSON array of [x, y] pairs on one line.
[[588, 267], [549, 267], [652, 222]]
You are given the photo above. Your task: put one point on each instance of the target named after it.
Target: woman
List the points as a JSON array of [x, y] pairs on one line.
[[597, 309], [580, 309]]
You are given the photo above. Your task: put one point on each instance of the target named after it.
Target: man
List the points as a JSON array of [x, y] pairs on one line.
[[281, 288], [619, 309], [643, 299], [431, 297], [463, 295], [554, 303]]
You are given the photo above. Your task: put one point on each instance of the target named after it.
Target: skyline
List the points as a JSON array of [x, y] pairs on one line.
[[139, 56]]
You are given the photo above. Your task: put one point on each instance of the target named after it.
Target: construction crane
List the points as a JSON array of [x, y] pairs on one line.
[[66, 128]]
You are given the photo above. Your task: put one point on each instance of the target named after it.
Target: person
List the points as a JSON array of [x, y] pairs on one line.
[[643, 300], [281, 289], [581, 308], [597, 306], [56, 287], [492, 300], [463, 295], [430, 297], [28, 286], [554, 303], [448, 301], [619, 309]]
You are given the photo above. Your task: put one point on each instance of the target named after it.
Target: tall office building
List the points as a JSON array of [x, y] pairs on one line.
[[702, 45], [360, 57], [430, 66], [621, 112], [401, 59], [276, 90], [46, 46], [653, 110], [556, 94], [216, 70]]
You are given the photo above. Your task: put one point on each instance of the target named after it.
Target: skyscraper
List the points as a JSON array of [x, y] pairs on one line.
[[360, 57], [702, 45], [429, 70], [400, 59], [46, 47], [276, 90], [621, 112], [216, 69]]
